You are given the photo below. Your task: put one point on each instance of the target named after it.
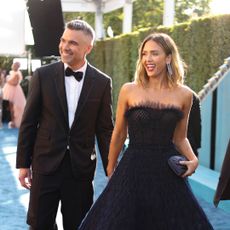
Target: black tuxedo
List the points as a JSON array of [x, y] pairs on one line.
[[45, 136], [194, 125]]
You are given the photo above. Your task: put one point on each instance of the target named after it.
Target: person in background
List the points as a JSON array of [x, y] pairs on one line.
[[194, 125], [223, 186], [143, 191], [2, 82], [68, 105], [6, 118], [13, 93]]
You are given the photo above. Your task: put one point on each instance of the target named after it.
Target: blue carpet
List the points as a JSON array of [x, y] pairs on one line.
[[14, 199]]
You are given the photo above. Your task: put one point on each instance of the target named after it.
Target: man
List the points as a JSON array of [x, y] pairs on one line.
[[13, 93], [223, 186], [57, 135]]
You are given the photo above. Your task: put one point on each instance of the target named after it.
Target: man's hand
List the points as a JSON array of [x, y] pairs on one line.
[[25, 177]]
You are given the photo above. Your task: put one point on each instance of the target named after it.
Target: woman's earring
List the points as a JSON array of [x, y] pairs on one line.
[[169, 68]]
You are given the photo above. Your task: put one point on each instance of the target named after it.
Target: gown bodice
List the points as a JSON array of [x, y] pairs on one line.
[[152, 124]]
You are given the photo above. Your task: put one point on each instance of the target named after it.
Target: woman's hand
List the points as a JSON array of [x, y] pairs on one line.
[[191, 166]]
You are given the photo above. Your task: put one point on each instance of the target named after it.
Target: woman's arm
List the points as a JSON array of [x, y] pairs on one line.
[[13, 78], [120, 130], [180, 135]]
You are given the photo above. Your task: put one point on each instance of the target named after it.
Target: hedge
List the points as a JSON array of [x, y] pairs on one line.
[[203, 43]]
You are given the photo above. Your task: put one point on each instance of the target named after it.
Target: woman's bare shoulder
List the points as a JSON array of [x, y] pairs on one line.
[[129, 86], [184, 95], [184, 90]]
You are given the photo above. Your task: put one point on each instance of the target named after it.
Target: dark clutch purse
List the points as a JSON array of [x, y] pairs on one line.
[[174, 164]]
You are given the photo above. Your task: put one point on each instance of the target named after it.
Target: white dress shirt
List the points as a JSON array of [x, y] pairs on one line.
[[73, 90]]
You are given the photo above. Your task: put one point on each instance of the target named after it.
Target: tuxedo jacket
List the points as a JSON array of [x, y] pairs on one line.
[[44, 134], [194, 125]]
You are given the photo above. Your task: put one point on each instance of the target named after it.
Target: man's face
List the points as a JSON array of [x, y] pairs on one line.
[[73, 47]]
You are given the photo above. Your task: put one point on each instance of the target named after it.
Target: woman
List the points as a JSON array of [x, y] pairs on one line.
[[143, 192], [12, 92]]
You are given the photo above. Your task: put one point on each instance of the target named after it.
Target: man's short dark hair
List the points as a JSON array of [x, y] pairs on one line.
[[82, 26]]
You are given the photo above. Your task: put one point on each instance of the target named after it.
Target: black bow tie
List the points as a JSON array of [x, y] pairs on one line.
[[69, 72]]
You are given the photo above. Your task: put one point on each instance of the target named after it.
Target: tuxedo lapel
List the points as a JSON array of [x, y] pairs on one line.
[[86, 88], [60, 87]]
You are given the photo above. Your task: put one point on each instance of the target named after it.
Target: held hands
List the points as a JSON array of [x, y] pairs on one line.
[[191, 166], [110, 170], [25, 177]]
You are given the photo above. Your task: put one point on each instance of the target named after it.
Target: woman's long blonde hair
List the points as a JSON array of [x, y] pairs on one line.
[[170, 48]]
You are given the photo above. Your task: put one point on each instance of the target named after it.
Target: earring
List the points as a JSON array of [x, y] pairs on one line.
[[169, 68]]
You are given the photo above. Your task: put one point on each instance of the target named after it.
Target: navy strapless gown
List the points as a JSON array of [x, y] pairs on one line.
[[144, 193]]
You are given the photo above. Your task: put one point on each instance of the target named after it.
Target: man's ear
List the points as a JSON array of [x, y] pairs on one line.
[[89, 48]]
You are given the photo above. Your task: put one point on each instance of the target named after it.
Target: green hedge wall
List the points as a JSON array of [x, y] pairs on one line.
[[204, 43]]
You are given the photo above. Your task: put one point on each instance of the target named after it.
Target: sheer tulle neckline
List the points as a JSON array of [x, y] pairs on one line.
[[154, 106]]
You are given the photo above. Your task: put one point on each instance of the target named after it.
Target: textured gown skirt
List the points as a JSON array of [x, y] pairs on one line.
[[144, 193]]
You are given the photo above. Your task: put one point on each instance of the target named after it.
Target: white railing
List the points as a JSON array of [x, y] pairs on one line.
[[214, 81]]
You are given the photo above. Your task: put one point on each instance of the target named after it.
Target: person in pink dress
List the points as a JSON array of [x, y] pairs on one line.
[[12, 92]]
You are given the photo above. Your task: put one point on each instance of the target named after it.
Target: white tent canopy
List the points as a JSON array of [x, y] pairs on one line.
[[92, 5], [99, 7], [13, 27], [104, 6]]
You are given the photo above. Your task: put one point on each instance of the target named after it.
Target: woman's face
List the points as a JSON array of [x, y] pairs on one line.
[[15, 66], [154, 59]]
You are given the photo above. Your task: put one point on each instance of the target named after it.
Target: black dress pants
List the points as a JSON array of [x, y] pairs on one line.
[[55, 227], [75, 195]]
